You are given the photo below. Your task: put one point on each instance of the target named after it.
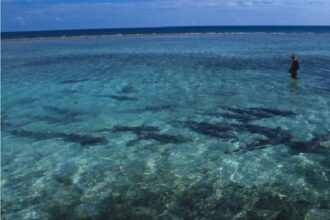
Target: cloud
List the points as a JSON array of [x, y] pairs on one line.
[[171, 4], [20, 20], [177, 3], [59, 19]]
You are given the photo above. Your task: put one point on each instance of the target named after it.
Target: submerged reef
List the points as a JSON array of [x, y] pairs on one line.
[[162, 199]]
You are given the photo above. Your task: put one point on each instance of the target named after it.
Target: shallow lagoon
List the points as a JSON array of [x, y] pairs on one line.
[[203, 126]]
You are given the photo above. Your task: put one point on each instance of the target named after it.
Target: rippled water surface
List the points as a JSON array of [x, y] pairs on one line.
[[166, 127]]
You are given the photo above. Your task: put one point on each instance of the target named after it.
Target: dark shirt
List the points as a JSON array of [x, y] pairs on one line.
[[294, 66]]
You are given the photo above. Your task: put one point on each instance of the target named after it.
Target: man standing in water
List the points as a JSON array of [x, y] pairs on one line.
[[294, 67]]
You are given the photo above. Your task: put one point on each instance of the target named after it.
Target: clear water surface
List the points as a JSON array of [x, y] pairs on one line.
[[188, 126]]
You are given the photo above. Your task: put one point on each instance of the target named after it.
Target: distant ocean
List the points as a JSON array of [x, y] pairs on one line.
[[186, 123], [168, 30]]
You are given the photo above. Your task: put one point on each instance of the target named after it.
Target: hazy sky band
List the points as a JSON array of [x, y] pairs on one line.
[[20, 15]]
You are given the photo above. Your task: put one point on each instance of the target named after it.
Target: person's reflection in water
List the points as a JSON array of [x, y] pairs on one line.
[[294, 85]]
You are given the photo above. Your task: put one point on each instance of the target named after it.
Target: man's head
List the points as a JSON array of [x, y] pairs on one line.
[[293, 57]]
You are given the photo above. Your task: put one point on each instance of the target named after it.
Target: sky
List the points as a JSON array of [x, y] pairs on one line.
[[28, 15]]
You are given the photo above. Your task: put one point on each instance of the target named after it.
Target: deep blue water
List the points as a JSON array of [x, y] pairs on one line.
[[178, 126], [168, 30]]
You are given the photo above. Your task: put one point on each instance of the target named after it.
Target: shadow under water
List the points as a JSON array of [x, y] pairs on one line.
[[223, 131], [315, 145], [272, 136], [156, 108], [83, 140], [250, 114], [18, 131], [57, 115], [149, 133], [72, 81], [119, 98]]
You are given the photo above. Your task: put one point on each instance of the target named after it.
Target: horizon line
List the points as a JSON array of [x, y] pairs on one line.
[[159, 27]]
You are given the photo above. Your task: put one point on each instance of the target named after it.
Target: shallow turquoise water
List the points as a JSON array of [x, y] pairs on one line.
[[168, 127]]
